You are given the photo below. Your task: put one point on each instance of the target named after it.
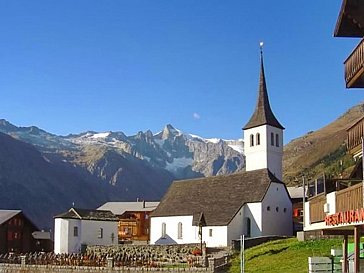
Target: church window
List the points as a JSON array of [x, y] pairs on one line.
[[272, 139], [210, 232], [268, 208], [164, 228], [277, 209], [251, 140], [100, 233], [277, 140], [75, 231], [248, 225], [258, 139], [179, 231], [285, 210]]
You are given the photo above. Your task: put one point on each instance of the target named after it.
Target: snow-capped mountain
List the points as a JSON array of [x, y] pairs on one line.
[[110, 166], [184, 155]]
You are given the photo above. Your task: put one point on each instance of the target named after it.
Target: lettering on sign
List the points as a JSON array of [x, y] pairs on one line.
[[346, 217]]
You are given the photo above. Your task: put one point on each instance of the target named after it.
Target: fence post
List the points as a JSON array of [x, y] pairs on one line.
[[110, 262], [212, 263], [22, 260]]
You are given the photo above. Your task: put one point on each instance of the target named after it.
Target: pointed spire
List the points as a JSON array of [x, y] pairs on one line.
[[263, 114]]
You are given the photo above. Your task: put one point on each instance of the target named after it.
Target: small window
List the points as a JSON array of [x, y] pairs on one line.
[[285, 210], [210, 232], [272, 139], [75, 231], [251, 140], [100, 233], [277, 140], [277, 209], [268, 208], [257, 136], [164, 230], [179, 231]]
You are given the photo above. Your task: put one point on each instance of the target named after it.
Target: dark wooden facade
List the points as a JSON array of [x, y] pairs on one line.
[[354, 137], [350, 23], [16, 235]]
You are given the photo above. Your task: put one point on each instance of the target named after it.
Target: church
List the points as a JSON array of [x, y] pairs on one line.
[[220, 209]]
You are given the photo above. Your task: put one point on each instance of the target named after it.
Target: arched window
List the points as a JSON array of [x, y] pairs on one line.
[[251, 140], [164, 229], [257, 136], [277, 140], [272, 139], [179, 231]]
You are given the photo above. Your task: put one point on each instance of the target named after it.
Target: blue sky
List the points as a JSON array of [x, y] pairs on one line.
[[70, 66]]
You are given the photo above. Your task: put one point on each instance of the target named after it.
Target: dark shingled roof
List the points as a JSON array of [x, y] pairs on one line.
[[88, 214], [263, 114], [219, 198]]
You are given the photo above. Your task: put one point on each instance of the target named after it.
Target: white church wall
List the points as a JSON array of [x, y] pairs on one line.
[[189, 232], [277, 211], [236, 227], [253, 211], [213, 236]]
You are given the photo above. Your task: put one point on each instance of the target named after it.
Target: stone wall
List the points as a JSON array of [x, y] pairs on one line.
[[16, 268]]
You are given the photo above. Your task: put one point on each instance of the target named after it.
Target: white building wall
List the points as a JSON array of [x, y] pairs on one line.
[[91, 232], [236, 227], [189, 232], [277, 211], [66, 242], [253, 211], [264, 155], [64, 239]]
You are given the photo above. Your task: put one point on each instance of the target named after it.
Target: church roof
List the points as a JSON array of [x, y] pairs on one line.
[[263, 114], [219, 198]]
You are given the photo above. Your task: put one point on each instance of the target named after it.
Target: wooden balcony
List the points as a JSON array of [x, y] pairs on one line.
[[350, 198], [317, 213], [354, 67], [354, 138]]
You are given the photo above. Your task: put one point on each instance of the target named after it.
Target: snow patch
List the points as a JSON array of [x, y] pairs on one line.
[[238, 148], [101, 135], [177, 163]]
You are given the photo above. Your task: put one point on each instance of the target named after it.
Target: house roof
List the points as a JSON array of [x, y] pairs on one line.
[[219, 198], [88, 214], [296, 192], [350, 22], [263, 114], [5, 215], [119, 208]]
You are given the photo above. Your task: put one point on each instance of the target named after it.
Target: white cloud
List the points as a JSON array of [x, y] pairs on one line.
[[196, 116]]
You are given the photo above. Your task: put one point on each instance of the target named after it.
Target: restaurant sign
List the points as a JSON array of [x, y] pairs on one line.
[[346, 217]]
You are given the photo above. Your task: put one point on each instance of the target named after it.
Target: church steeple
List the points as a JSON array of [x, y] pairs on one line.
[[263, 134], [263, 114]]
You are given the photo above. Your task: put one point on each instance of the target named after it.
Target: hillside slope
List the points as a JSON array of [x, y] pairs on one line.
[[320, 151]]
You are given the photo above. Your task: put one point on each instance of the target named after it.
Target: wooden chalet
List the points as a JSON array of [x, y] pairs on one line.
[[336, 206]]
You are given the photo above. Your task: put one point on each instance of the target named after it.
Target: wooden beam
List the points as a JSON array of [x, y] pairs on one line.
[[345, 232], [345, 254], [356, 249]]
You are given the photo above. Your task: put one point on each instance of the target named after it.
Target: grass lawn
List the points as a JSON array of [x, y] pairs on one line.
[[286, 256]]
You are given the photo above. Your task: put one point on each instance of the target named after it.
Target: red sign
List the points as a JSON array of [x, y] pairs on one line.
[[346, 217]]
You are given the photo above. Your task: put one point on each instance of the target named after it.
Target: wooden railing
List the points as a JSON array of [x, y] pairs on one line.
[[354, 63], [350, 198], [317, 213], [355, 134]]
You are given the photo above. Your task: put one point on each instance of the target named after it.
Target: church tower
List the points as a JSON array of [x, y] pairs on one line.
[[263, 134]]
